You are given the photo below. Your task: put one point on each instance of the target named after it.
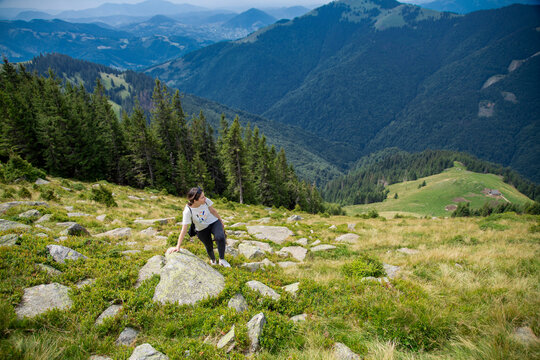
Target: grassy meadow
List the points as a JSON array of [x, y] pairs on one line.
[[471, 283], [450, 187]]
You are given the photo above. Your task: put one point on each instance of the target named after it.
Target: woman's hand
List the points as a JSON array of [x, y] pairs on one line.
[[172, 250]]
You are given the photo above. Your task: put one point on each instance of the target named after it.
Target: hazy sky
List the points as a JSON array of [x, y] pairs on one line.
[[230, 4]]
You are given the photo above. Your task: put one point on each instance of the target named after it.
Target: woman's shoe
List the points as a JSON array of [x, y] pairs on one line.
[[213, 262], [224, 263]]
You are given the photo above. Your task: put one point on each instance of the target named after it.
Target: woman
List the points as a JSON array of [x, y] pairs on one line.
[[207, 221]]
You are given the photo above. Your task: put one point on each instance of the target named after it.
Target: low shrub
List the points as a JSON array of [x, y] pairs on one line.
[[24, 193], [104, 196], [18, 168], [363, 267]]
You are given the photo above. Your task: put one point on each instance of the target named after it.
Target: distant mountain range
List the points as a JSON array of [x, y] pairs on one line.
[[467, 6], [376, 73]]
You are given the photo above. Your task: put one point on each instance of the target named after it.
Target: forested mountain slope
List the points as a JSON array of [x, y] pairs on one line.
[[376, 73]]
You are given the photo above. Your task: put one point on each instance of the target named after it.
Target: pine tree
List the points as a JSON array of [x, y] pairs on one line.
[[233, 160]]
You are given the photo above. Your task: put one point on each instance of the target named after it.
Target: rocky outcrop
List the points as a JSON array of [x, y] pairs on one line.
[[277, 234], [147, 352], [186, 279], [254, 266], [292, 288], [30, 214], [39, 299], [61, 253], [11, 225], [391, 270], [265, 247], [9, 240], [6, 206]]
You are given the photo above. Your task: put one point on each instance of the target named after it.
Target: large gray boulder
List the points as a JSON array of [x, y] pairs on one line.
[[153, 266], [342, 352], [297, 252], [147, 352], [61, 253], [254, 327], [116, 233], [6, 206], [186, 279], [9, 240], [263, 289], [41, 298], [127, 337], [10, 225], [277, 234], [110, 312]]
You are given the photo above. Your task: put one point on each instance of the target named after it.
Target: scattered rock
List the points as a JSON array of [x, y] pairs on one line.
[[127, 337], [6, 206], [85, 282], [391, 270], [77, 214], [249, 251], [407, 251], [30, 214], [75, 230], [10, 225], [299, 318], [41, 181], [238, 224], [229, 250], [152, 267], [323, 247], [226, 340], [163, 221], [110, 312], [132, 197], [44, 218], [101, 217], [297, 252], [65, 188], [147, 352], [292, 288], [277, 234], [333, 227], [348, 238], [302, 241], [116, 233], [130, 252], [69, 208], [261, 245], [42, 227], [61, 253], [99, 357], [39, 299], [525, 335], [351, 226], [293, 218], [255, 326], [232, 242], [316, 242], [149, 232], [508, 96], [238, 303], [263, 289], [379, 280], [61, 238], [342, 352], [286, 264], [254, 266], [42, 235], [186, 279], [49, 269], [66, 224], [265, 220], [9, 240]]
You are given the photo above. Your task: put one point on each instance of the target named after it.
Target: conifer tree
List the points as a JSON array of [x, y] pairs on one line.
[[233, 160]]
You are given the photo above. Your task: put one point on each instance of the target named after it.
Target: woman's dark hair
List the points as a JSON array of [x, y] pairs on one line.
[[194, 194]]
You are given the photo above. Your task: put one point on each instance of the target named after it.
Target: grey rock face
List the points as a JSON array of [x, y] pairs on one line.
[[154, 221], [41, 181], [116, 233], [391, 270], [342, 352], [61, 253], [75, 230], [297, 252], [263, 289], [277, 234], [147, 352], [30, 214], [9, 240], [238, 303], [10, 225], [186, 279], [110, 312], [323, 247], [250, 251], [255, 326], [153, 266], [127, 337], [39, 299], [8, 205], [226, 340], [348, 238]]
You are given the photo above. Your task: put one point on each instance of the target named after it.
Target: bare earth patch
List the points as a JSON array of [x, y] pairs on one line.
[[450, 207]]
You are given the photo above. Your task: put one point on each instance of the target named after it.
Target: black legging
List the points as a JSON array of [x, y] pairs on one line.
[[205, 236]]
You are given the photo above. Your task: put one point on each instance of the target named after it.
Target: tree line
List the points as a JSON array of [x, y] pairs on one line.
[[367, 181], [72, 133]]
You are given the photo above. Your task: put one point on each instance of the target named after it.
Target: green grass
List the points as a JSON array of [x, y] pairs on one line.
[[441, 190]]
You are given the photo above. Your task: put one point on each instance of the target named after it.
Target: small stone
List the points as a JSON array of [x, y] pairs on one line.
[[293, 218], [249, 251], [116, 233], [525, 335], [255, 326], [391, 270], [61, 253], [101, 217], [333, 227], [147, 352], [110, 312], [75, 230], [348, 238], [163, 221], [85, 282], [286, 264], [132, 197], [42, 235], [127, 337], [30, 214], [316, 242], [66, 224], [229, 250], [99, 357], [9, 240], [149, 232], [292, 288], [302, 241], [297, 252], [49, 269], [42, 227], [226, 340], [407, 251], [10, 225], [39, 299], [69, 208], [342, 352], [130, 252], [299, 318], [351, 226], [238, 224], [66, 188], [41, 181], [260, 245], [263, 289], [323, 247], [77, 214], [238, 303], [44, 218], [277, 234]]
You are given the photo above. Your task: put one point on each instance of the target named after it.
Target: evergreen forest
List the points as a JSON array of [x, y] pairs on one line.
[[69, 132]]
